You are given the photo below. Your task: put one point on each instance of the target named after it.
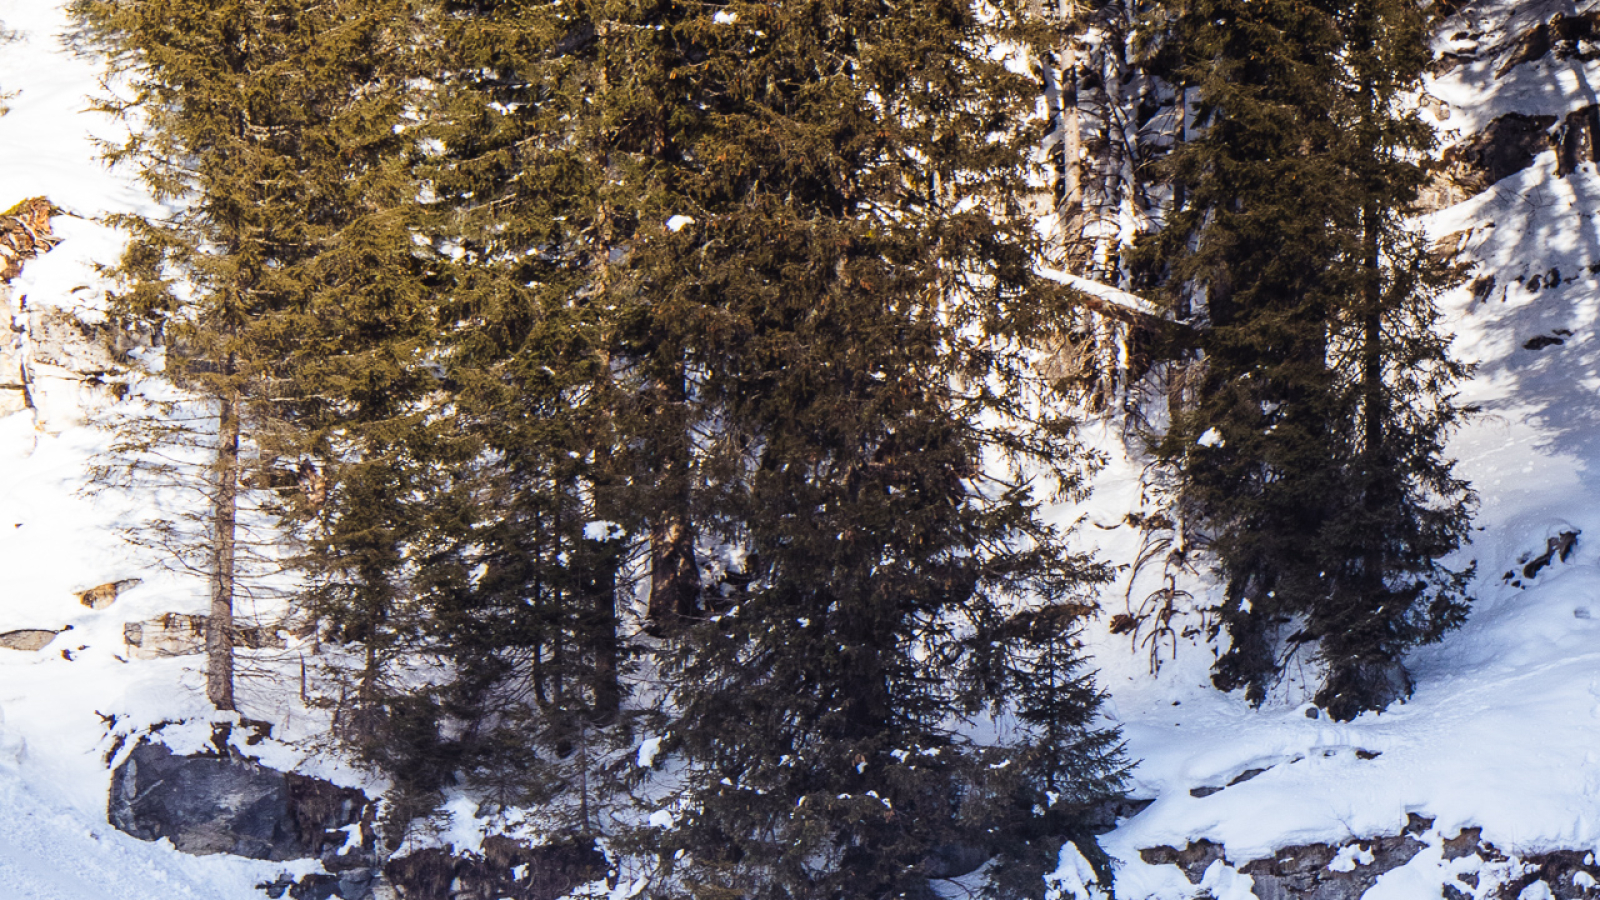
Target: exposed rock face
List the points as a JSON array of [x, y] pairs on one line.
[[66, 367], [103, 595], [1501, 150], [27, 639], [1302, 873], [1346, 871], [24, 233], [1569, 37], [183, 634], [225, 804], [506, 869]]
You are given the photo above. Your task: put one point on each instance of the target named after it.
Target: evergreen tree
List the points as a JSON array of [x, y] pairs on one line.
[[1313, 451], [521, 570], [284, 283], [753, 280], [823, 275]]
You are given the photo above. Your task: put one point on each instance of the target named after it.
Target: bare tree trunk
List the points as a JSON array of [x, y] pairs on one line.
[[225, 517]]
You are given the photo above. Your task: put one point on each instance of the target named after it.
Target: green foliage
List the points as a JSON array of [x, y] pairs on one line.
[[1326, 394], [545, 288]]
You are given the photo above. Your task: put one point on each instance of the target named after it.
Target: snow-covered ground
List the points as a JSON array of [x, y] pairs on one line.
[[1503, 732]]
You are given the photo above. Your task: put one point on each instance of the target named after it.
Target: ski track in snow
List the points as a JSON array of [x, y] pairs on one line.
[[1502, 733]]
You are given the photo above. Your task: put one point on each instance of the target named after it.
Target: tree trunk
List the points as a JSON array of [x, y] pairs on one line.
[[225, 514], [674, 573]]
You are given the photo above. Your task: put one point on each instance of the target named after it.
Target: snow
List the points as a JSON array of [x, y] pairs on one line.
[[725, 18], [647, 752], [1502, 732], [1211, 438], [1074, 878], [1502, 729]]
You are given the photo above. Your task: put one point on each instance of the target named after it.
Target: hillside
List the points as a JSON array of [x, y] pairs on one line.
[[1492, 767]]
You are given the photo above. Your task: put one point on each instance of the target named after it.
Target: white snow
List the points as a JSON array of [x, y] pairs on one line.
[[647, 752], [723, 17], [1074, 878], [1503, 732], [1211, 438]]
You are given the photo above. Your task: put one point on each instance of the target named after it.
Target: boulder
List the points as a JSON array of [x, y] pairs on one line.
[[27, 639], [216, 803], [1504, 148], [507, 868]]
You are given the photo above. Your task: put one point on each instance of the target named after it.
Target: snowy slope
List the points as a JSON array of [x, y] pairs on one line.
[[54, 841], [1503, 732]]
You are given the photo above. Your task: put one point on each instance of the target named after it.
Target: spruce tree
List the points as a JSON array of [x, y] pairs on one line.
[[823, 274], [283, 283], [753, 282], [1313, 451], [521, 568]]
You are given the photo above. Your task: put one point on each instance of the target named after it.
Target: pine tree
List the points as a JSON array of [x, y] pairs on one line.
[[521, 564], [284, 282], [822, 272], [1326, 390]]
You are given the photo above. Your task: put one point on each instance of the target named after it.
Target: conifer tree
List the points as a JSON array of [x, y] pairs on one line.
[[283, 282], [520, 577], [1313, 452], [752, 277], [822, 272]]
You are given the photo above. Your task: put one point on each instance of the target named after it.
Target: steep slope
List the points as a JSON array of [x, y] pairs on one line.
[[1502, 735], [1501, 732]]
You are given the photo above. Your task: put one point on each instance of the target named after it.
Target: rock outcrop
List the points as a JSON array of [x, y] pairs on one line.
[[225, 803], [506, 868], [184, 634], [27, 639], [1474, 869], [103, 595], [1506, 147]]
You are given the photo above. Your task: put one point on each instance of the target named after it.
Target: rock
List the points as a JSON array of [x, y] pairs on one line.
[[1506, 147], [1578, 140], [505, 869], [1301, 872], [28, 639], [66, 368], [1556, 547], [1193, 859], [184, 634], [1570, 37], [24, 233], [102, 596], [228, 804]]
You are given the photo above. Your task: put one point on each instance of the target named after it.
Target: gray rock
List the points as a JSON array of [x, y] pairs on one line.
[[27, 639], [505, 869], [1504, 148], [184, 634], [226, 804]]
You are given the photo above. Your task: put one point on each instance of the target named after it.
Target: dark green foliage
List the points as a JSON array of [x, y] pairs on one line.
[[1314, 450], [761, 308], [750, 298], [272, 127]]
